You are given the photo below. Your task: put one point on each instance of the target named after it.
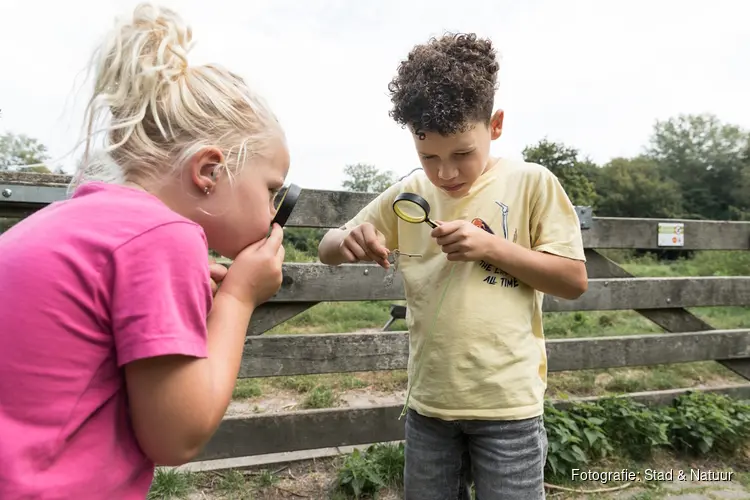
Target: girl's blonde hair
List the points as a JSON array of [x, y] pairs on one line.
[[153, 111]]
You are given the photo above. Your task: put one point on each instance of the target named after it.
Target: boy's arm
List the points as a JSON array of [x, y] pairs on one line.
[[329, 248], [562, 277], [379, 213], [554, 265]]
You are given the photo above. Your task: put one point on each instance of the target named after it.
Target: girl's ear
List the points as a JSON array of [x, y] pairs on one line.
[[205, 168]]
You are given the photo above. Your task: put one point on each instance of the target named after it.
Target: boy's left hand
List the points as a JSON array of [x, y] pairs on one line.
[[462, 241]]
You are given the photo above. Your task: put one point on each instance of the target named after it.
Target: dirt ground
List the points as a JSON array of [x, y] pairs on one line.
[[315, 479], [286, 400]]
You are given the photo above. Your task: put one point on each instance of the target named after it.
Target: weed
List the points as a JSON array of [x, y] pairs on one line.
[[169, 484], [299, 383], [319, 397], [586, 432], [703, 422], [572, 439], [246, 388], [359, 476], [364, 473], [634, 429], [266, 478], [232, 480]]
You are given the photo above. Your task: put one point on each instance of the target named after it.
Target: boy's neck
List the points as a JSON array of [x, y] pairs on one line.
[[491, 162]]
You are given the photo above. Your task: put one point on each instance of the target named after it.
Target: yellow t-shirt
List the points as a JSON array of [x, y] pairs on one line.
[[485, 357]]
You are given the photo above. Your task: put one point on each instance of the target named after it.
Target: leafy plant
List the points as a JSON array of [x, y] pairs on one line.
[[704, 422], [573, 440], [585, 432], [633, 428], [389, 460], [360, 476]]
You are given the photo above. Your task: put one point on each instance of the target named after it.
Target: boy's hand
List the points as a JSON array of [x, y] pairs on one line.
[[365, 243], [462, 241]]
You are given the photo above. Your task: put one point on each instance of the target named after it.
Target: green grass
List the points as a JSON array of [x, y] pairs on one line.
[[340, 317], [703, 263], [170, 483]]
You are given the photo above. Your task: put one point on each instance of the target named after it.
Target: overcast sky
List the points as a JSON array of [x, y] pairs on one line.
[[594, 74]]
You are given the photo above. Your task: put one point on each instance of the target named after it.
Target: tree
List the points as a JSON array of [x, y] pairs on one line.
[[36, 169], [708, 160], [740, 209], [17, 150], [576, 176], [635, 187], [367, 178]]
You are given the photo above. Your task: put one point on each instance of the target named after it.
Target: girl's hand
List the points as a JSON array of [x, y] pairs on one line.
[[255, 275], [463, 241], [218, 273]]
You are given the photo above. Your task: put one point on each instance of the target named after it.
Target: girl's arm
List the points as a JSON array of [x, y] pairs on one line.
[[177, 402], [181, 368]]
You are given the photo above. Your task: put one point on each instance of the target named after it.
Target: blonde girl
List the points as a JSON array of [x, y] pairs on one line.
[[114, 353]]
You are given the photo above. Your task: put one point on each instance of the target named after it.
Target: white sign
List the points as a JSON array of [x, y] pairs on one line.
[[671, 234]]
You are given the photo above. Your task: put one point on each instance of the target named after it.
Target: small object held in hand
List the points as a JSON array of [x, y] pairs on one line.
[[284, 203], [393, 259], [412, 208]]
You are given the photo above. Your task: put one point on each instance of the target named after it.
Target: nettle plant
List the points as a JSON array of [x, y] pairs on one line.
[[585, 432], [696, 423]]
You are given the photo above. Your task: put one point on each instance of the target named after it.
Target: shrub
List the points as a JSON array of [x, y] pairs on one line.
[[584, 432], [703, 422], [365, 473]]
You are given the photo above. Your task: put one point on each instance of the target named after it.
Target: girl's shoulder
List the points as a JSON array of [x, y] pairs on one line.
[[121, 214]]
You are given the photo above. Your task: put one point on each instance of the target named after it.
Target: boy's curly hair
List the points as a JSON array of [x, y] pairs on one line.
[[445, 85]]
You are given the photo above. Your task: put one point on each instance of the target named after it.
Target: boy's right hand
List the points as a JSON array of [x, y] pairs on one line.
[[365, 243], [255, 275]]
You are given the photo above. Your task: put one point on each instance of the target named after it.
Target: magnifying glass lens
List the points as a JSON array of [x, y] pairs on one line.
[[279, 198], [284, 203], [410, 211]]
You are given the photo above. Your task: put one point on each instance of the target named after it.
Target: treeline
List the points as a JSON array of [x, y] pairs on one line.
[[693, 167]]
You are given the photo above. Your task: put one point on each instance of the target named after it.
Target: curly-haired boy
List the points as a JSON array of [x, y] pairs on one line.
[[507, 234]]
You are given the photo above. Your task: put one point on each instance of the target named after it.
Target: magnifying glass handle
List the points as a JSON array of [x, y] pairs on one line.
[[431, 224]]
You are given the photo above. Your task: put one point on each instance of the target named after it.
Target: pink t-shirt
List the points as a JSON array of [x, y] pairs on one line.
[[88, 285]]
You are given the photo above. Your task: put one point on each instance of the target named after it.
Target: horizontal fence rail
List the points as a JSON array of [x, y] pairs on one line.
[[327, 209], [304, 285], [304, 282], [285, 355], [329, 353], [314, 429]]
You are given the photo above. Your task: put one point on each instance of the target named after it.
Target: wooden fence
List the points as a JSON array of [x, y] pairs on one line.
[[662, 300]]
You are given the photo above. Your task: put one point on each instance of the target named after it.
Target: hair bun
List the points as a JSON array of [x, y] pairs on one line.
[[153, 111], [160, 39]]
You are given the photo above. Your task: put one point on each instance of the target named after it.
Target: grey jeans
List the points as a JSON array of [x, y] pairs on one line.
[[504, 459]]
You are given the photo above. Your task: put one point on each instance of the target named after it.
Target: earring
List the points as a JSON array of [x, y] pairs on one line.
[[205, 189]]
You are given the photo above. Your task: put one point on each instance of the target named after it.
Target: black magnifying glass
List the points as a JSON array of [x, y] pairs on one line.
[[284, 203], [412, 208]]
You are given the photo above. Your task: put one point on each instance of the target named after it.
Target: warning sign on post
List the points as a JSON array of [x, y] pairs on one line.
[[671, 234]]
